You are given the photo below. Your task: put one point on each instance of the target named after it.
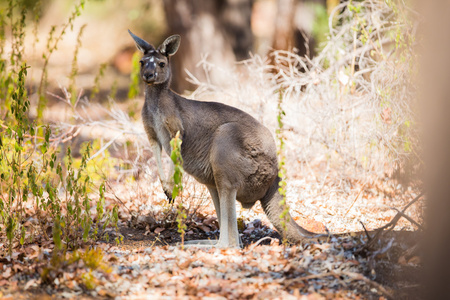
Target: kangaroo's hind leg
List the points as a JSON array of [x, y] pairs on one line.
[[229, 235], [229, 166], [215, 243]]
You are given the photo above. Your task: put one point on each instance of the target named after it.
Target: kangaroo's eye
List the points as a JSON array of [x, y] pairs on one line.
[[162, 64]]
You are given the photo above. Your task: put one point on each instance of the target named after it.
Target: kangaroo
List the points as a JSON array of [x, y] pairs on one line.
[[224, 148]]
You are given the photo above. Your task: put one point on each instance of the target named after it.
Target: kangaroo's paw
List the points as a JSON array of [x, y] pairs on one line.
[[168, 188], [169, 196]]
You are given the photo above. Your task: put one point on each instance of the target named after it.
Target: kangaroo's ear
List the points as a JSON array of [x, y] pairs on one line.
[[170, 46], [142, 45]]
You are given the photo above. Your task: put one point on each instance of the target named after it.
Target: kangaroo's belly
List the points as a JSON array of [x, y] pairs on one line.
[[196, 162], [200, 170]]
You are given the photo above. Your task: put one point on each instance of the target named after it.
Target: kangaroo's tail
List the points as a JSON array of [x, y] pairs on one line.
[[273, 209]]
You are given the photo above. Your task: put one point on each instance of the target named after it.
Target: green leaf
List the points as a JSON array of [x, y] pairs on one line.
[[22, 236], [57, 234], [44, 148], [175, 192]]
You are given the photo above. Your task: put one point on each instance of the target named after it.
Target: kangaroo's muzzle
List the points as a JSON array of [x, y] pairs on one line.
[[149, 78]]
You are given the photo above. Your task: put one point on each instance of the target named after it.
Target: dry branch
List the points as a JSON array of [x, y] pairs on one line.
[[389, 225]]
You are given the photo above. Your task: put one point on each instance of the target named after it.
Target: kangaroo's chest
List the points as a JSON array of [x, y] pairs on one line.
[[161, 131], [154, 126]]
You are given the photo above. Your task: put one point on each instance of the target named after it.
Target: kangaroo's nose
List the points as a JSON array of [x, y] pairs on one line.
[[148, 77]]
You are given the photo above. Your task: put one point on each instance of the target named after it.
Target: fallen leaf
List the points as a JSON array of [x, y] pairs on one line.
[[415, 260], [204, 228], [322, 247], [402, 260], [17, 268], [68, 295], [30, 283], [184, 264], [210, 221], [348, 246], [158, 230], [3, 282], [7, 273], [71, 284]]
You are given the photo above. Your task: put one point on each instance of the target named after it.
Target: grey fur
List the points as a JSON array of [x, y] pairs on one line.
[[223, 147]]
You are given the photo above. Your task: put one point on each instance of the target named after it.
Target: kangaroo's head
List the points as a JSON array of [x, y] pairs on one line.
[[155, 67]]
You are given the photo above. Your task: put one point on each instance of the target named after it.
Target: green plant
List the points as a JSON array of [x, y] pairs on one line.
[[31, 173], [89, 280], [92, 259], [52, 46], [10, 66], [14, 162], [98, 77], [113, 92], [134, 85], [37, 12], [177, 160], [320, 24], [282, 166], [100, 165], [74, 71]]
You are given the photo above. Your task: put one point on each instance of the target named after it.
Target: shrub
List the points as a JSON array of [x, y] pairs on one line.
[[35, 183]]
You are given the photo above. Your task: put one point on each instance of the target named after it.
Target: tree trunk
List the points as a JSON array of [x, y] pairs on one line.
[[435, 104], [284, 25], [218, 30]]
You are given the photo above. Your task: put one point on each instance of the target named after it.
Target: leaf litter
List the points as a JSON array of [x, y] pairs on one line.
[[149, 264]]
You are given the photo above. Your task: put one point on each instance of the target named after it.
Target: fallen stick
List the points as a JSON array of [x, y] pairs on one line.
[[391, 224]]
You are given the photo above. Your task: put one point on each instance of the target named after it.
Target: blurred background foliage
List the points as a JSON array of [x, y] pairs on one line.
[[224, 30]]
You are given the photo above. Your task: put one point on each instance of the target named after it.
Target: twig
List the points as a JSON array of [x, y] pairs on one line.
[[357, 276], [408, 218], [312, 276], [356, 198], [104, 147], [117, 198], [383, 250], [349, 56], [369, 238], [258, 242], [392, 223], [50, 140]]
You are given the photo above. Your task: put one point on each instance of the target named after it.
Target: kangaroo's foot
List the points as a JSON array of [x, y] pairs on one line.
[[201, 242], [210, 244]]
